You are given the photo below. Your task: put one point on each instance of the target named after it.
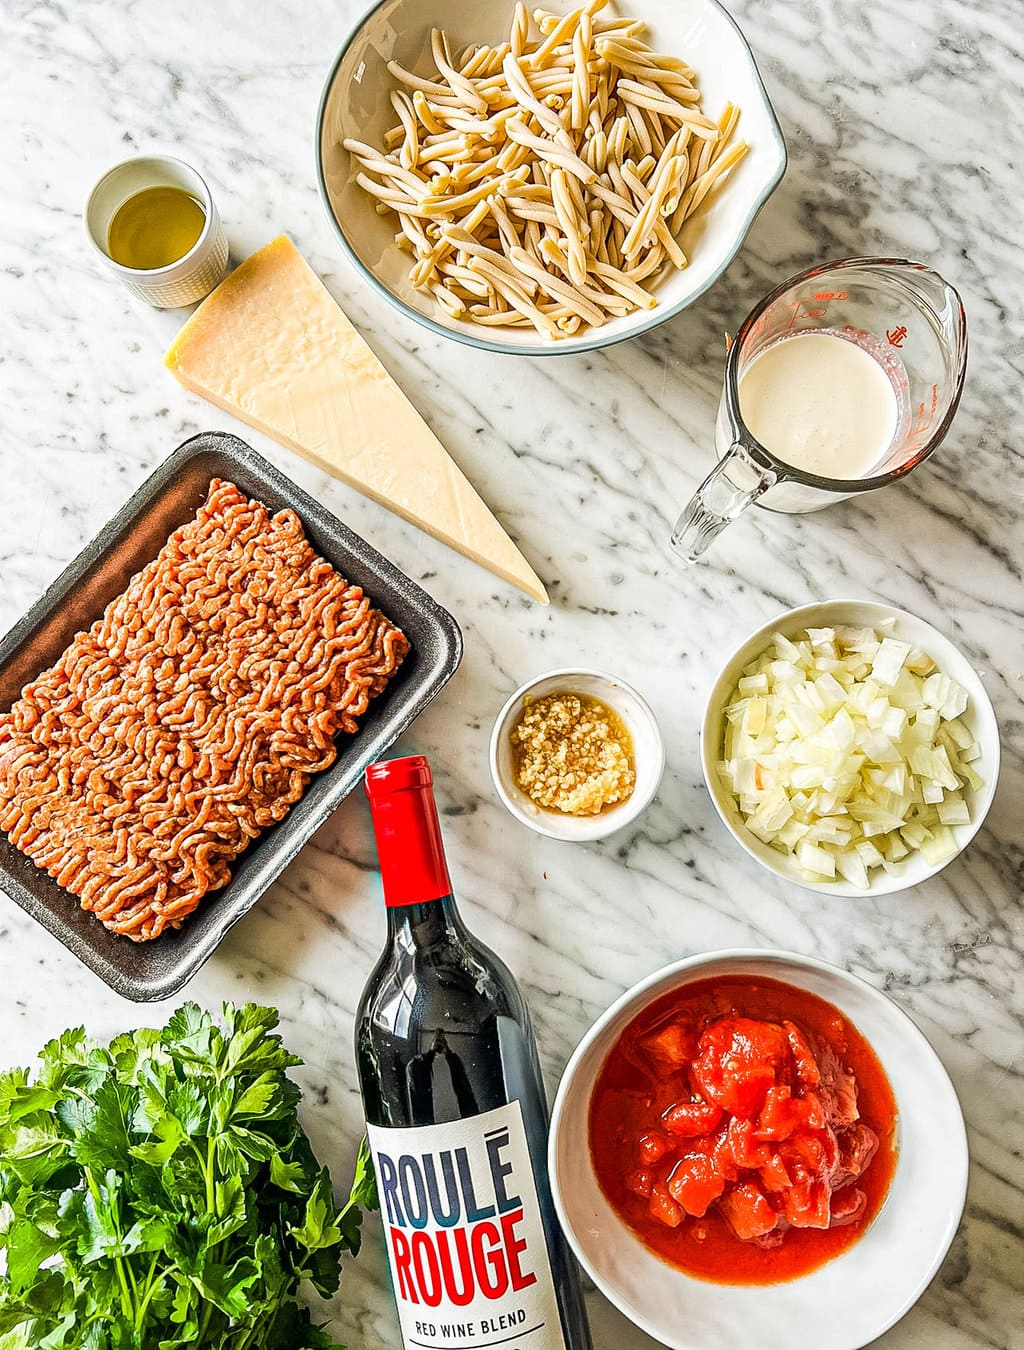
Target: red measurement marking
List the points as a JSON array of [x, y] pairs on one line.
[[759, 325], [896, 335], [918, 437], [831, 295], [803, 309], [925, 419]]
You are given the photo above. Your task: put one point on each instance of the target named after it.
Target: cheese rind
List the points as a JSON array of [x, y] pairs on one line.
[[272, 347]]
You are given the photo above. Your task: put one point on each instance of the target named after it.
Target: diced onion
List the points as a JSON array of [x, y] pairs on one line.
[[846, 750]]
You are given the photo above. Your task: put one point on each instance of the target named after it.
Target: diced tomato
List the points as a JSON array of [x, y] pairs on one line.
[[662, 1207], [806, 1202], [767, 1241], [747, 1211], [857, 1146], [738, 1062], [721, 1156], [780, 1116], [670, 1049], [695, 1183], [640, 1182], [807, 1071], [774, 1175], [847, 1207], [814, 1151], [815, 1111], [652, 1147], [746, 1149], [691, 1120], [727, 1118], [783, 1114], [837, 1089], [830, 1149]]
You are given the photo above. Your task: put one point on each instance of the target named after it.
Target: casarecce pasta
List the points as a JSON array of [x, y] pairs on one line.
[[545, 180]]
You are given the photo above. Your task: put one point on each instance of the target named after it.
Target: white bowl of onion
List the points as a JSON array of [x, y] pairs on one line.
[[850, 747]]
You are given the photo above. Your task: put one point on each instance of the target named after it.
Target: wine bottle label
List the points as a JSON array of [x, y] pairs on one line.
[[464, 1235]]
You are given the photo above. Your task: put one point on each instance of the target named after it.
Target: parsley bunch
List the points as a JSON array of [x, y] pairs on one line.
[[159, 1192]]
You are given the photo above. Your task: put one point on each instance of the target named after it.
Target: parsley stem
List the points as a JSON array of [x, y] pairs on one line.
[[127, 1302], [266, 1321], [206, 1167], [204, 1322], [152, 1284], [131, 1279], [126, 1298], [211, 1147], [211, 1203]]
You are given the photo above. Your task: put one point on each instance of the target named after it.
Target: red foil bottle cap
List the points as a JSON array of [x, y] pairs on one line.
[[391, 775], [413, 869]]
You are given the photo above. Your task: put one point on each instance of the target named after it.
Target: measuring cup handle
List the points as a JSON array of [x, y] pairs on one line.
[[729, 488]]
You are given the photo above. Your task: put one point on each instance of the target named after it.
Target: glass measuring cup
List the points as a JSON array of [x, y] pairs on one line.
[[901, 313]]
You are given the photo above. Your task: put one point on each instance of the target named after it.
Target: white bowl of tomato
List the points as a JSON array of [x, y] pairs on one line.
[[755, 1147]]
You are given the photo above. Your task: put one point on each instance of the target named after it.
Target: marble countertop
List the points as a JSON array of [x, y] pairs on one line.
[[905, 138]]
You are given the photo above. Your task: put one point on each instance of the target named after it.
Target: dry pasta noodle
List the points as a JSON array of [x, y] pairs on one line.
[[191, 715], [545, 180]]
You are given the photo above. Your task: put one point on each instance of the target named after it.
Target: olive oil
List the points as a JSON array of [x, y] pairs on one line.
[[155, 228]]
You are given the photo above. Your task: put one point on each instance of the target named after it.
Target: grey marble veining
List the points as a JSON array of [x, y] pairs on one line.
[[905, 135]]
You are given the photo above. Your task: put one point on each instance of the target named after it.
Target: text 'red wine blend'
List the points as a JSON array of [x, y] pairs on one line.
[[455, 1109]]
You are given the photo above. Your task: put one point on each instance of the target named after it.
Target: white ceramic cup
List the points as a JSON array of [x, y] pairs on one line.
[[648, 753], [179, 283]]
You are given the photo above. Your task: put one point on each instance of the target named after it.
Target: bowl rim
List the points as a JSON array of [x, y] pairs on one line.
[[652, 318], [618, 817], [890, 885], [782, 958]]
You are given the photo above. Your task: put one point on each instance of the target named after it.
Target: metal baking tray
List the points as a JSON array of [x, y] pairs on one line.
[[171, 496]]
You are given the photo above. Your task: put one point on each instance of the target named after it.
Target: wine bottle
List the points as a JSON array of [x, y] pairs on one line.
[[456, 1114]]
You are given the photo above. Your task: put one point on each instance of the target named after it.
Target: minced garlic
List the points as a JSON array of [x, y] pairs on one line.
[[573, 754]]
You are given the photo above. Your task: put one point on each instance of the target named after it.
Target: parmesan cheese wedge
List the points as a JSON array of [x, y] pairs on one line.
[[271, 346]]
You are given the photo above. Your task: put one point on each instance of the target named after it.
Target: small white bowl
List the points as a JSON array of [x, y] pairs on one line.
[[648, 751], [850, 1300], [979, 718], [355, 103]]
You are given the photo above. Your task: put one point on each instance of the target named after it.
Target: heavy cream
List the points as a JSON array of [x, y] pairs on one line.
[[820, 403]]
